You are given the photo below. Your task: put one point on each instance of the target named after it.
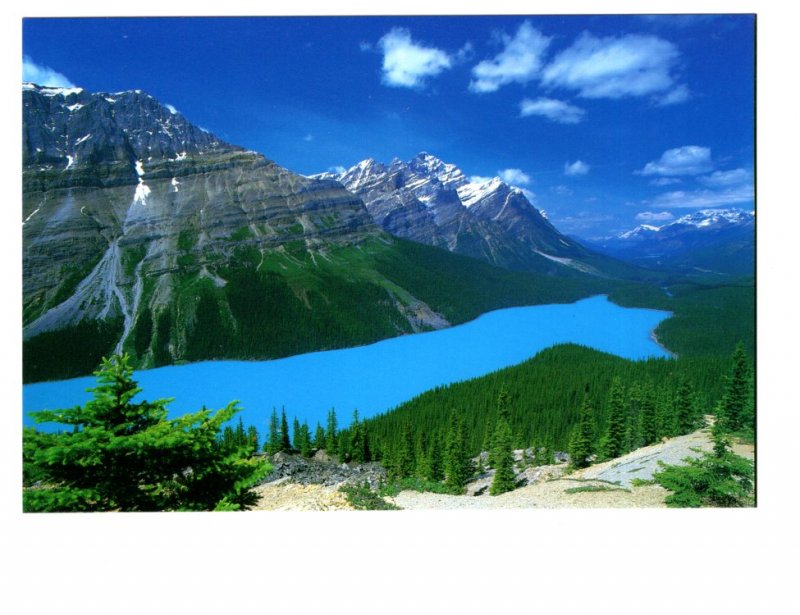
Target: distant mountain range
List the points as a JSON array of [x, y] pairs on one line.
[[432, 202], [146, 234], [705, 241]]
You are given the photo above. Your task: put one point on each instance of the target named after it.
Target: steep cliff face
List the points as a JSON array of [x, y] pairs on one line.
[[433, 202], [137, 219]]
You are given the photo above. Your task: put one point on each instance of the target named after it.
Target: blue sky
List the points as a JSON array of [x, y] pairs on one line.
[[608, 121]]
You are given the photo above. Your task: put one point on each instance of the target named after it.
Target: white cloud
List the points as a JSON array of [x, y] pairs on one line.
[[703, 198], [407, 63], [665, 181], [721, 179], [514, 177], [43, 75], [579, 167], [562, 191], [631, 65], [678, 95], [338, 169], [686, 160], [530, 195], [365, 46], [652, 216], [308, 138], [553, 110], [479, 179], [520, 61]]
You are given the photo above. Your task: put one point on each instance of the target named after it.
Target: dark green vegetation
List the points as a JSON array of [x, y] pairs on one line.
[[55, 354], [127, 456], [290, 301], [719, 478], [361, 497], [594, 405]]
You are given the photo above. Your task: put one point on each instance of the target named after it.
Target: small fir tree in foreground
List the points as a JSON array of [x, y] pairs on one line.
[[128, 456], [716, 479]]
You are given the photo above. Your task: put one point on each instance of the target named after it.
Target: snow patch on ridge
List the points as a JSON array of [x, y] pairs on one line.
[[471, 193]]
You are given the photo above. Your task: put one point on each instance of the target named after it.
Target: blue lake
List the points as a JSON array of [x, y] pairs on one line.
[[378, 377]]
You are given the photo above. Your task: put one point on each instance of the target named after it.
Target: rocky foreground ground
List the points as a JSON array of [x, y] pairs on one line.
[[303, 485]]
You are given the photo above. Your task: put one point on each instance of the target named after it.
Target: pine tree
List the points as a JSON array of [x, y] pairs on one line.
[[581, 444], [685, 408], [331, 433], [737, 399], [404, 456], [252, 438], [128, 456], [305, 440], [457, 464], [359, 449], [435, 469], [616, 427], [286, 444], [239, 435], [503, 456], [319, 437], [273, 444], [647, 417], [296, 436]]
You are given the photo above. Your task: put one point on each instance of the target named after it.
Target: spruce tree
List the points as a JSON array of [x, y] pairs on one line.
[[616, 428], [581, 444], [503, 456], [457, 464]]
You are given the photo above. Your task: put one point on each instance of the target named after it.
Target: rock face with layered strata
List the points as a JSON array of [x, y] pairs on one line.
[[433, 202], [134, 216]]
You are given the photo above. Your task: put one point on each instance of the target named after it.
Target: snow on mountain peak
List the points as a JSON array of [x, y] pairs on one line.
[[473, 192]]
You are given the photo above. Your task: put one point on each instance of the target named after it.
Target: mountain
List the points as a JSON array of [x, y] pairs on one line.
[[432, 202], [145, 234], [709, 240]]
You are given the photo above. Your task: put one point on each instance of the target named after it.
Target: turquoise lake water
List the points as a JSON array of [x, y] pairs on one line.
[[377, 377]]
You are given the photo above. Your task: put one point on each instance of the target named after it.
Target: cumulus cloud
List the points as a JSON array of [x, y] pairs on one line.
[[721, 179], [552, 109], [579, 167], [407, 63], [678, 95], [703, 198], [43, 75], [665, 181], [614, 67], [686, 160], [653, 216], [338, 169], [479, 179], [514, 177], [520, 61]]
